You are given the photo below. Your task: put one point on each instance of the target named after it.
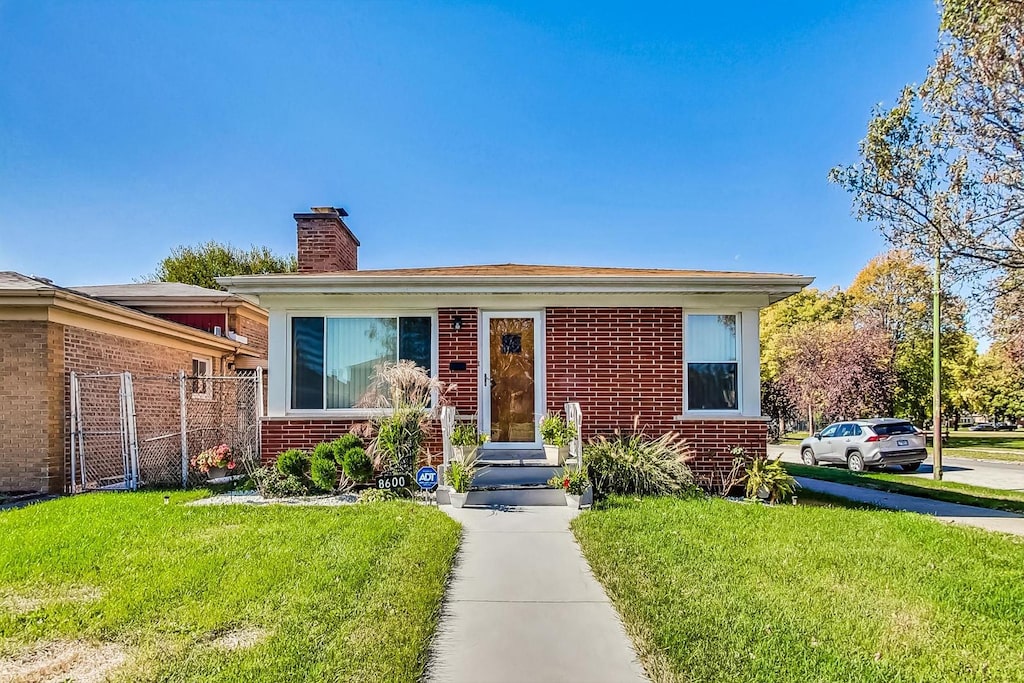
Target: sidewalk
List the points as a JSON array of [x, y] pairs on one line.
[[524, 606], [982, 518]]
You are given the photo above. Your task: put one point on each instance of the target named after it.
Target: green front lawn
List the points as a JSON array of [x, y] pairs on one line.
[[713, 590], [949, 491], [227, 593], [969, 439]]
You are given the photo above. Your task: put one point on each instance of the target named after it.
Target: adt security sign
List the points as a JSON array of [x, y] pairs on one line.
[[426, 477]]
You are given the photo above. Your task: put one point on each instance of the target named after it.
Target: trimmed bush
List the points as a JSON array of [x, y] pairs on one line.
[[323, 472], [323, 450], [357, 465], [343, 444], [636, 465], [271, 483], [377, 495], [293, 462]]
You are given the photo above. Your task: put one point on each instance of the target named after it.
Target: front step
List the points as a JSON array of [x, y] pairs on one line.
[[503, 483]]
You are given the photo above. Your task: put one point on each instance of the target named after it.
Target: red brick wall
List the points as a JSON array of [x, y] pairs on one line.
[[277, 435], [459, 347], [617, 363], [712, 441], [325, 244]]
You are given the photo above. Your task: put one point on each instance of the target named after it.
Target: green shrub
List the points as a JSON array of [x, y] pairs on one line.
[[343, 444], [272, 483], [768, 480], [556, 431], [323, 473], [357, 465], [293, 462], [400, 437], [377, 495], [632, 464], [324, 450]]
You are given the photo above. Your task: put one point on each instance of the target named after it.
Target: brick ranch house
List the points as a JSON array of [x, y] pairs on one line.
[[676, 349], [48, 331]]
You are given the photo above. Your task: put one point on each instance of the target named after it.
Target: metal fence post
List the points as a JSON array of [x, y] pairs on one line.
[[73, 427], [184, 430]]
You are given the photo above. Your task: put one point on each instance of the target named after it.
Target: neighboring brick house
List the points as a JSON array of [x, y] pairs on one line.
[[677, 350], [47, 331]]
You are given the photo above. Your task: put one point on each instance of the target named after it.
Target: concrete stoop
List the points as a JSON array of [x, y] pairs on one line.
[[512, 478]]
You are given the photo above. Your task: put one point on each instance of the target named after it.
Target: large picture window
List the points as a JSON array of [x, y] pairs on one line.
[[712, 366], [333, 358]]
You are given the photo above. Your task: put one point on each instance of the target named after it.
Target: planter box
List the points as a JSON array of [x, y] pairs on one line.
[[555, 455], [458, 499], [466, 454], [581, 501], [217, 473]]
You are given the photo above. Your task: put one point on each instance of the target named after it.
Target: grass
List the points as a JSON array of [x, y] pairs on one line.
[[949, 491], [712, 590], [341, 594]]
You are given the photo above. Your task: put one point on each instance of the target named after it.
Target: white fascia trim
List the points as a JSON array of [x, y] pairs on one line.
[[312, 284]]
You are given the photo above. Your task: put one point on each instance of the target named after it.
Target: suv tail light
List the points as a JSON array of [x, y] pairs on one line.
[[875, 437]]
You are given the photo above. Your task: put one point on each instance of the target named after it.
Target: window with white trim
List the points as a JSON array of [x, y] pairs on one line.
[[712, 362], [333, 358], [202, 387]]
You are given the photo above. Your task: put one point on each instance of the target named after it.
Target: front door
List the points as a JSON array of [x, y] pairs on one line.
[[511, 393]]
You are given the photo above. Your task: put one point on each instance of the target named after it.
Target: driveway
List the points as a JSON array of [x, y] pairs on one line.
[[991, 474]]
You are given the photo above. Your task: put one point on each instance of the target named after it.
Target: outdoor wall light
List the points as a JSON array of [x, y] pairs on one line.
[[457, 323]]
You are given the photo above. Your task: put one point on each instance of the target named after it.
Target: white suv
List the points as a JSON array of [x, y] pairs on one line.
[[860, 444]]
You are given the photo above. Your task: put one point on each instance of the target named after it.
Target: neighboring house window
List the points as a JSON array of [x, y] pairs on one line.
[[712, 366], [333, 358], [201, 385]]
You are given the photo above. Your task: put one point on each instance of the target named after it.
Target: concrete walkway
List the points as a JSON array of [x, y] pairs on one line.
[[523, 605], [983, 518]]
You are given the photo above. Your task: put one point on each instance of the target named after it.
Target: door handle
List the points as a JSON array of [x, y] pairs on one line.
[[489, 382]]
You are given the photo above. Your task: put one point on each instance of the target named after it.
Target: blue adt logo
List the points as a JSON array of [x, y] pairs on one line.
[[426, 477]]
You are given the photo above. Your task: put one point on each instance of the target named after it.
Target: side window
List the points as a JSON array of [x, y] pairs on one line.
[[855, 430], [844, 430], [829, 431], [201, 385]]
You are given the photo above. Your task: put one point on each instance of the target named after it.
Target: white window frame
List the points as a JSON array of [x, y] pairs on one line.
[[354, 413], [738, 410], [207, 393]]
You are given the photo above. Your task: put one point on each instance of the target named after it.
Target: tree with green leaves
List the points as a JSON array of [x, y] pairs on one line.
[[199, 265], [894, 292], [943, 169]]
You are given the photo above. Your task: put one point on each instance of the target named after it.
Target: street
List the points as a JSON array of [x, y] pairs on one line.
[[991, 474]]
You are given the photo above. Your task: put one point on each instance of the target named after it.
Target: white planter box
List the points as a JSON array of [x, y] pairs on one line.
[[458, 499], [466, 454], [555, 455]]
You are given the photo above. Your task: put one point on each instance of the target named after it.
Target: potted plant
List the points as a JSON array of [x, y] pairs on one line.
[[215, 462], [459, 476], [466, 440], [574, 483], [768, 481], [557, 435]]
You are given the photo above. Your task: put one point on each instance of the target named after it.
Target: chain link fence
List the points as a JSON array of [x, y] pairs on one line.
[[130, 431]]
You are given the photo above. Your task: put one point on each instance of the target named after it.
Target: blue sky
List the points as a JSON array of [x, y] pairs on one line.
[[689, 135]]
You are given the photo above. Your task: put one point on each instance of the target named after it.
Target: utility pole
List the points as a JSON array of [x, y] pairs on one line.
[[936, 367]]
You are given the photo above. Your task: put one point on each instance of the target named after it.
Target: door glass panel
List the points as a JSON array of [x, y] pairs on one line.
[[512, 378]]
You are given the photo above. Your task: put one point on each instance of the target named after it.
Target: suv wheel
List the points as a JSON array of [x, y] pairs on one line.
[[807, 455], [855, 461]]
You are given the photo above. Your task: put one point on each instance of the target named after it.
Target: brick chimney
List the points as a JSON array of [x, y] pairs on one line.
[[325, 242]]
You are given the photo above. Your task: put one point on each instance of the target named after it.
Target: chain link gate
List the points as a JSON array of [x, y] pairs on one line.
[[130, 431]]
